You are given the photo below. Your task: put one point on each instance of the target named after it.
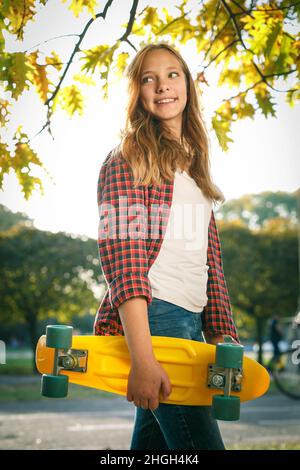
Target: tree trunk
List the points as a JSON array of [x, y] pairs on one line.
[[259, 334], [32, 324]]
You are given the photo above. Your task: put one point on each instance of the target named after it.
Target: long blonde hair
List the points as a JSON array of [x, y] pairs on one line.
[[148, 146]]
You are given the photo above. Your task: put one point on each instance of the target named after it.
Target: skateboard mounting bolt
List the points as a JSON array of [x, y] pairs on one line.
[[218, 380], [68, 362]]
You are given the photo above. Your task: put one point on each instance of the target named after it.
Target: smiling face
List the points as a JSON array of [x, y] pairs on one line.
[[163, 89]]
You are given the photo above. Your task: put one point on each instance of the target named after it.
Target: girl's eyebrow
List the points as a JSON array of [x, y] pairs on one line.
[[168, 68]]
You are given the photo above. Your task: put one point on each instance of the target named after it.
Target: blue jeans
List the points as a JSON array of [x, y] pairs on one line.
[[175, 426]]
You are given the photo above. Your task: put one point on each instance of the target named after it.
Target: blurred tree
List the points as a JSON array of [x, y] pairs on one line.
[[46, 274], [258, 210], [261, 270], [10, 219], [252, 43]]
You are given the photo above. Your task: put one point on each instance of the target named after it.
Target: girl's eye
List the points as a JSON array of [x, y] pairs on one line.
[[145, 78]]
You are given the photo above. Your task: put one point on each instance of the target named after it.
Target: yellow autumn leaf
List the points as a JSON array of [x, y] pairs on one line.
[[71, 100], [84, 79], [4, 112], [215, 39], [121, 63], [151, 16], [101, 58], [24, 154], [221, 126], [54, 60], [20, 161], [168, 18], [137, 29], [96, 57], [38, 76], [5, 161], [77, 6], [18, 13], [230, 77], [14, 69], [28, 183]]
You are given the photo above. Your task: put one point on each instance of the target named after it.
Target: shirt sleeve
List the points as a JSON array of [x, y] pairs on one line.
[[217, 316], [122, 233]]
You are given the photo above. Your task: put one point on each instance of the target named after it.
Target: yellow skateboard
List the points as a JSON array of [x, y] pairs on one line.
[[201, 374]]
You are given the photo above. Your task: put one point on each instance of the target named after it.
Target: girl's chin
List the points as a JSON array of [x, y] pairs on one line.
[[166, 115]]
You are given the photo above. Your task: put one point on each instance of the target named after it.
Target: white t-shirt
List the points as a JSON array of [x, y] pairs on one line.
[[179, 273]]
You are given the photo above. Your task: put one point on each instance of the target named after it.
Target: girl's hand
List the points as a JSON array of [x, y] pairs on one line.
[[147, 379]]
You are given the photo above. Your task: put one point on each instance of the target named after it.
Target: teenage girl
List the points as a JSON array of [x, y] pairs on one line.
[[159, 246]]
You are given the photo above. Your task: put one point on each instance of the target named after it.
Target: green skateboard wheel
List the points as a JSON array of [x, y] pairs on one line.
[[59, 336], [226, 408], [54, 386], [229, 355]]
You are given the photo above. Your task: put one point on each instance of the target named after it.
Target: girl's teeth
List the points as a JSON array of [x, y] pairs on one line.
[[165, 101]]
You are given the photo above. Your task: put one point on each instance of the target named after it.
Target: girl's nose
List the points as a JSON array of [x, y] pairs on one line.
[[162, 87]]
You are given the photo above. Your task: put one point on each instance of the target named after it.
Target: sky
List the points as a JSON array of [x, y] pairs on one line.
[[263, 157]]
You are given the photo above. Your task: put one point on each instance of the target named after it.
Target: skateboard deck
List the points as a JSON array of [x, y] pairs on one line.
[[103, 362]]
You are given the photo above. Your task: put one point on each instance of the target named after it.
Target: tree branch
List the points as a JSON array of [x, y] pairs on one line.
[[50, 39], [125, 38], [248, 12], [77, 49], [238, 32], [215, 38], [221, 52], [259, 81], [130, 22]]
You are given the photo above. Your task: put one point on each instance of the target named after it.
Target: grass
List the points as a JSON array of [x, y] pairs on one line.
[[288, 445], [31, 392], [18, 362], [17, 366]]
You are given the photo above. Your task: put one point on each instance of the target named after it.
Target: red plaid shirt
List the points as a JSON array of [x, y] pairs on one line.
[[126, 260]]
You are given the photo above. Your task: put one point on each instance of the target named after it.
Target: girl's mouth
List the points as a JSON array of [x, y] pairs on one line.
[[166, 101]]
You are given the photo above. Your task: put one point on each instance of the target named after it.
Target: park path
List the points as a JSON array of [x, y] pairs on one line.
[[107, 423]]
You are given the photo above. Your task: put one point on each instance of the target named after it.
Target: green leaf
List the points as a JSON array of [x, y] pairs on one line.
[[98, 57], [14, 70], [271, 41], [264, 100], [221, 127]]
